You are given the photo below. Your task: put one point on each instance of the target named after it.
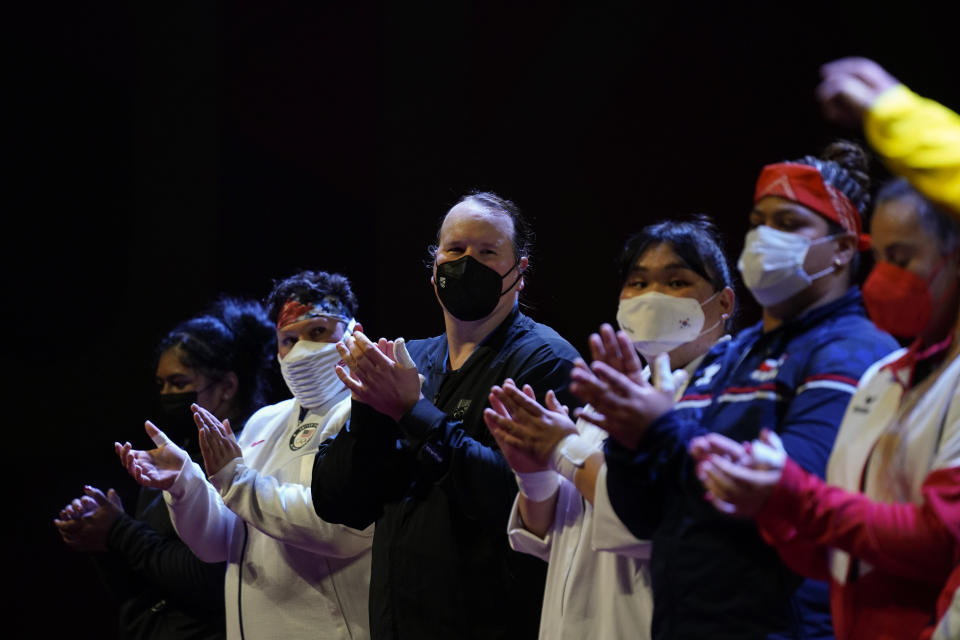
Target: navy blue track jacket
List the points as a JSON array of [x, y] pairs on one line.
[[713, 576], [440, 492]]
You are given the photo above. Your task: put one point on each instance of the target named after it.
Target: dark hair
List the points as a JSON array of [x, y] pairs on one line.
[[940, 225], [310, 286], [845, 166], [523, 235], [696, 241], [232, 335]]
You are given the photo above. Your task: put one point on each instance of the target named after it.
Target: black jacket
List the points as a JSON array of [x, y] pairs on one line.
[[440, 493], [165, 591]]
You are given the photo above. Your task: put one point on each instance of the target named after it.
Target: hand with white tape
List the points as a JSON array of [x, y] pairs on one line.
[[663, 378], [403, 358], [767, 451], [535, 480], [157, 468], [376, 377], [739, 478], [516, 418]]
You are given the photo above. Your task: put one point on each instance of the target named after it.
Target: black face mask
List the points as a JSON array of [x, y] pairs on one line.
[[469, 289], [176, 418]]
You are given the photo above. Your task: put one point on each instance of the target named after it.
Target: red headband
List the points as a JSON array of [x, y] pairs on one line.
[[804, 185], [295, 311]]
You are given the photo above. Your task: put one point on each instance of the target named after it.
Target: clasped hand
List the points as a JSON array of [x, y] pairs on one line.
[[85, 522], [739, 478], [377, 376]]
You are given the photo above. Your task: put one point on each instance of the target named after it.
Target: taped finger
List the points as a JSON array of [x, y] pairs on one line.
[[158, 437]]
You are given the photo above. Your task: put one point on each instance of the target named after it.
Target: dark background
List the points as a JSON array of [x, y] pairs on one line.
[[161, 154]]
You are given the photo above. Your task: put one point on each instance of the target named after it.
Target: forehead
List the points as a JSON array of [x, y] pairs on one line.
[[659, 256], [296, 328], [775, 205], [169, 364], [469, 220], [897, 221]]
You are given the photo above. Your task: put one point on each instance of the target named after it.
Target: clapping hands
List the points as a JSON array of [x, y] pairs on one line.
[[380, 374], [526, 431], [739, 478], [218, 445], [157, 468], [621, 401]]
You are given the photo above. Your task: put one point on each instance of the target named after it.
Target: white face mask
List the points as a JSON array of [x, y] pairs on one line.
[[657, 323], [772, 264], [309, 371]]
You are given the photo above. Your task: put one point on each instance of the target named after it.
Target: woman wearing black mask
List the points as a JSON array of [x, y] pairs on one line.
[[198, 362], [219, 360]]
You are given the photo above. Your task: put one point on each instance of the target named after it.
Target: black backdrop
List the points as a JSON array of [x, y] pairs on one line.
[[160, 155]]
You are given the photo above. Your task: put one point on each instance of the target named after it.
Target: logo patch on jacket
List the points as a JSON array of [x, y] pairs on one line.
[[707, 375], [302, 435], [865, 407], [463, 404], [768, 369]]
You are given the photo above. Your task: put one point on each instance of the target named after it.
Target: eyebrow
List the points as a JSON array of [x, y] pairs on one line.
[[667, 267], [899, 245], [782, 208], [482, 244]]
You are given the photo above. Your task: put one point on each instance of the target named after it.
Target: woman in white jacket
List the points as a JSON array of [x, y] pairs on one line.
[[289, 573], [676, 297]]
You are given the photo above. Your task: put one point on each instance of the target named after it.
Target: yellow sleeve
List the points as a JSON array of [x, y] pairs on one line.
[[918, 139]]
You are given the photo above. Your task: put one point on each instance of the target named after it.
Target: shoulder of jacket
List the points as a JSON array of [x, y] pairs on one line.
[[425, 346], [847, 327], [268, 414], [538, 337]]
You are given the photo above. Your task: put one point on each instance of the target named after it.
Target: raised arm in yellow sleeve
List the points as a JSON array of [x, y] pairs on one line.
[[917, 138]]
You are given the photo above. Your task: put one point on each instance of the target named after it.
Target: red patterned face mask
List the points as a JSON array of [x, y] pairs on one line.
[[898, 301]]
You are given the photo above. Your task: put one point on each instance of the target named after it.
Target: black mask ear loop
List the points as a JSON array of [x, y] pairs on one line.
[[513, 284]]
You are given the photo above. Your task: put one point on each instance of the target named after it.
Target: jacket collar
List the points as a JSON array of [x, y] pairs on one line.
[[850, 303], [494, 340]]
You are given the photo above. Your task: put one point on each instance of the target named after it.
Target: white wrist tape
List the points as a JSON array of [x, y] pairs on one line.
[[538, 485], [570, 454], [770, 456]]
